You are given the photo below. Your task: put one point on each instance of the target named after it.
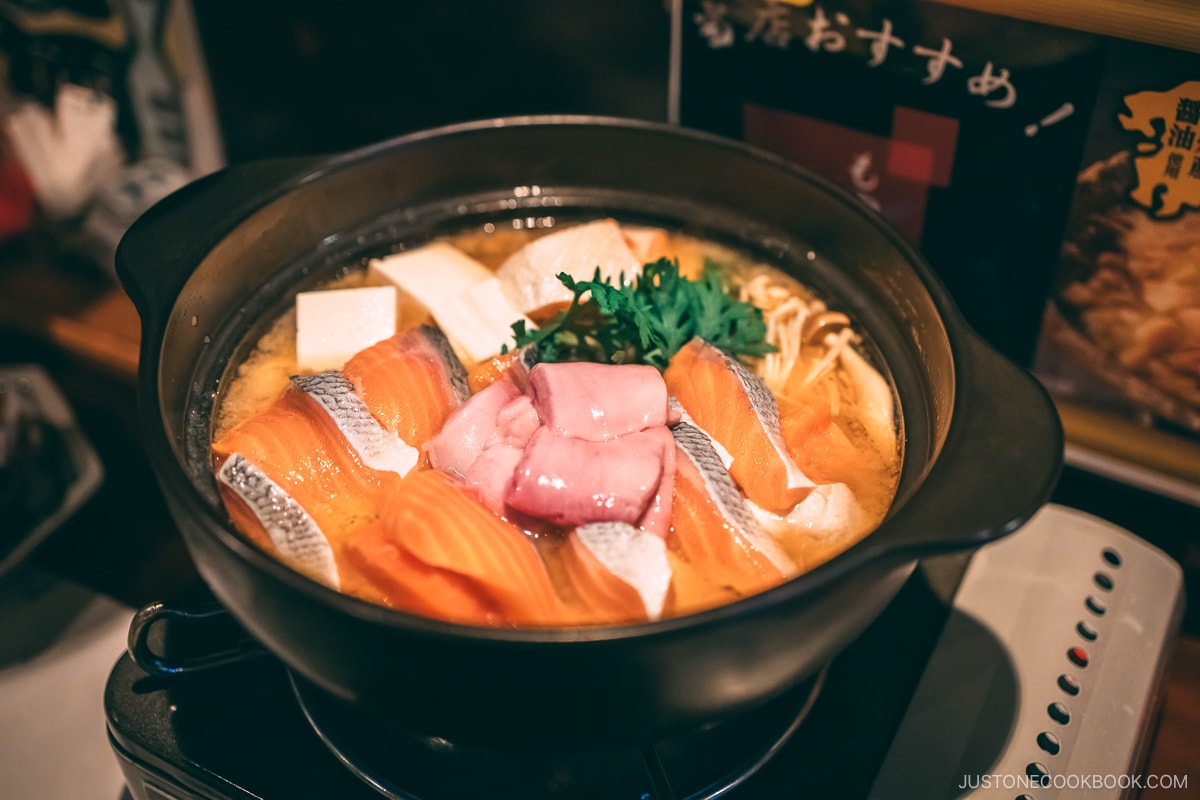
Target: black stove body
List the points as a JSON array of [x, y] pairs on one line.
[[1003, 670]]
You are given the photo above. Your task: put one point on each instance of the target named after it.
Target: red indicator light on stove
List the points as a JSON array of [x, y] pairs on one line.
[[1078, 656]]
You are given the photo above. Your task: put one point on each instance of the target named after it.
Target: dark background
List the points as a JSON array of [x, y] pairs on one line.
[[313, 76]]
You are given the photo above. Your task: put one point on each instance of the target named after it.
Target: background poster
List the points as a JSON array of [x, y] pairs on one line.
[[1050, 176], [1120, 347], [963, 129]]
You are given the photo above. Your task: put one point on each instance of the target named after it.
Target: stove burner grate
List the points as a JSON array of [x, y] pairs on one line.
[[701, 765]]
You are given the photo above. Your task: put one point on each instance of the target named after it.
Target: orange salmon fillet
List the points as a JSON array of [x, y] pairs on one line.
[[298, 445], [509, 365], [602, 597], [407, 384], [817, 444], [438, 551], [711, 545], [702, 378]]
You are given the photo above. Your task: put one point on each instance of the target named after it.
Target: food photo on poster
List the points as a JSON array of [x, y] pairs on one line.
[[1121, 332]]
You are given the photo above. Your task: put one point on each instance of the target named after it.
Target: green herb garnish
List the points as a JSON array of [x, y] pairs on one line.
[[648, 320]]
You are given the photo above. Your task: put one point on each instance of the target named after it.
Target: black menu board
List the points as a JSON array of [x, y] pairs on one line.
[[1046, 166]]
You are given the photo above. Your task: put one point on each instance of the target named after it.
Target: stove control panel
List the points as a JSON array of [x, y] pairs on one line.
[[1044, 683]]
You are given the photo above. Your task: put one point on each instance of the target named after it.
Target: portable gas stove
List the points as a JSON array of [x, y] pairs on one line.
[[1011, 673]]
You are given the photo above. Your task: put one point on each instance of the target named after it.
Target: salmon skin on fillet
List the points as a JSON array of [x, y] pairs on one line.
[[292, 470], [736, 409], [711, 526], [410, 382], [316, 461]]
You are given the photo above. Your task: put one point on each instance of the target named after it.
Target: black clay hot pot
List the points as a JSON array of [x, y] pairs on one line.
[[207, 265]]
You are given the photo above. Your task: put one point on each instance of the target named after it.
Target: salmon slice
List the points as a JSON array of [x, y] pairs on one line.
[[299, 472], [514, 365], [378, 448], [816, 442], [300, 447], [800, 419], [276, 522], [437, 551], [619, 573], [381, 570], [410, 382], [712, 529], [735, 408]]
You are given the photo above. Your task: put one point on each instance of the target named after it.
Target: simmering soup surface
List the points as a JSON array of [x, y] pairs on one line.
[[587, 423]]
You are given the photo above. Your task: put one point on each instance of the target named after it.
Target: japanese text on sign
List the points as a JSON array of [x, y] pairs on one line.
[[783, 25], [1167, 160]]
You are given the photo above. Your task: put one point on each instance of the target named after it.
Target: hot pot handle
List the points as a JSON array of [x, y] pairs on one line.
[[999, 465], [154, 255], [221, 640]]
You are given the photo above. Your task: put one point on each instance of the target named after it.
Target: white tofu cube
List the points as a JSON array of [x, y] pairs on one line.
[[333, 325], [433, 275], [530, 276], [479, 321]]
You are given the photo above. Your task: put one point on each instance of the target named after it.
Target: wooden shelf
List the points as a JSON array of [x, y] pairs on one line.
[[73, 307], [1164, 23]]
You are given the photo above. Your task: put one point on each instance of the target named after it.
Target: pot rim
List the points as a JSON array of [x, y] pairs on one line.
[[177, 485]]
